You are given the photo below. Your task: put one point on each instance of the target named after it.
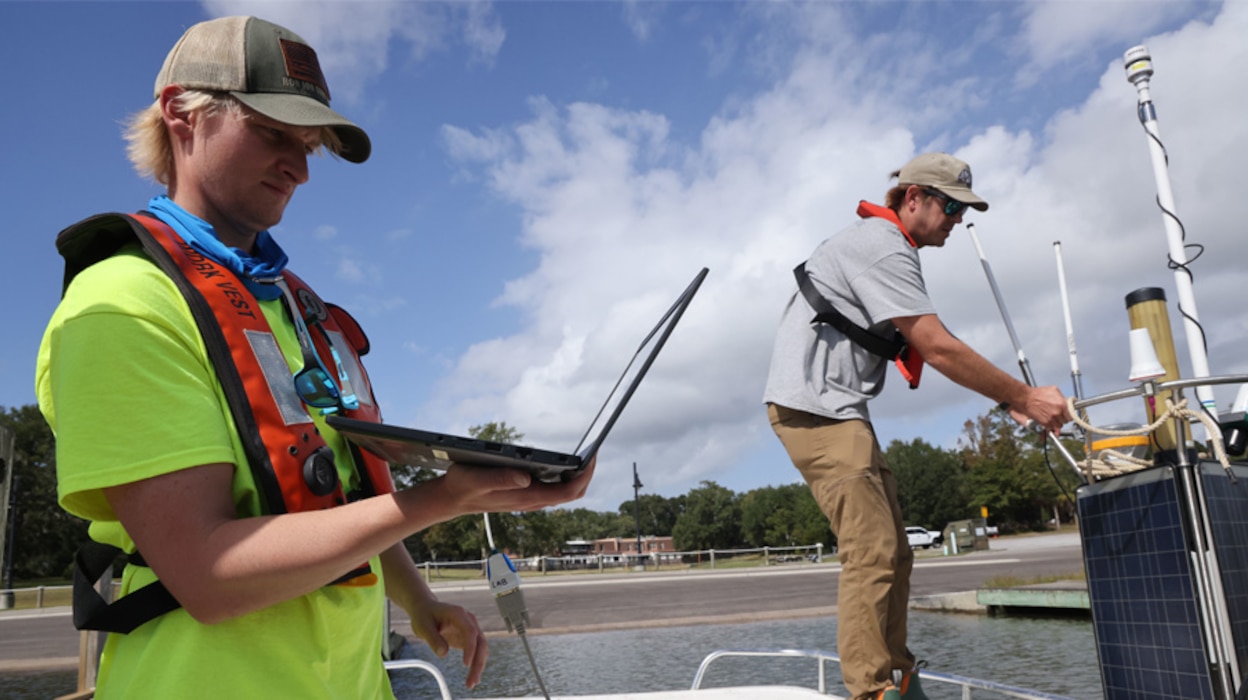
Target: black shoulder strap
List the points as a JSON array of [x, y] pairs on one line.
[[123, 615], [82, 245], [826, 313], [91, 240]]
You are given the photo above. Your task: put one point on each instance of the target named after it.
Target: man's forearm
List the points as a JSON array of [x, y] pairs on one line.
[[404, 584], [961, 364], [958, 361]]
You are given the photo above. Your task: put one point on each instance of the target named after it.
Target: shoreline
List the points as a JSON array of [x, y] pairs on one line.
[[566, 605]]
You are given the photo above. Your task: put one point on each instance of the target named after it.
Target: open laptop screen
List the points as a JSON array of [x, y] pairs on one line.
[[422, 448]]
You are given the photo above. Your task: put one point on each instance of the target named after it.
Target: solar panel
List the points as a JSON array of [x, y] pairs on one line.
[[1226, 503], [1141, 581]]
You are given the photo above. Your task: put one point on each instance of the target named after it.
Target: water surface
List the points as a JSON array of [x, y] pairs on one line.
[[1051, 655]]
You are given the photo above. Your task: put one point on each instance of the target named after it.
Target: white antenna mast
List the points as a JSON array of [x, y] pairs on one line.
[[1139, 67], [1075, 376], [1023, 364]]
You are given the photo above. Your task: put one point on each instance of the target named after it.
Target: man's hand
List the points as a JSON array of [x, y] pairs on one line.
[[444, 626], [467, 489], [1046, 406]]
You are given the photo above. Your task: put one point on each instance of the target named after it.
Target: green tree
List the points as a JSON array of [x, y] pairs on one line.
[[538, 533], [812, 525], [496, 432], [931, 483], [44, 536], [1065, 476], [771, 516], [586, 524], [711, 520], [1007, 473], [464, 538], [658, 515]]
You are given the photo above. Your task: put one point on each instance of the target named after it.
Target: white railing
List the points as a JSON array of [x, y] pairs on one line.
[[822, 657], [57, 596], [403, 664], [967, 685], [39, 596], [625, 560]]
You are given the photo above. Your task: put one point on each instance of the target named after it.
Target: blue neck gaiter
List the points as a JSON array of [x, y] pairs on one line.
[[269, 262]]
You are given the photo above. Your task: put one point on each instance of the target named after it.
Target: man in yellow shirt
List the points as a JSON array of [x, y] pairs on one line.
[[150, 451]]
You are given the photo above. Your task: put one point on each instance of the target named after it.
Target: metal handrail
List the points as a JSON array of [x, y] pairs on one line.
[[966, 684], [1161, 386]]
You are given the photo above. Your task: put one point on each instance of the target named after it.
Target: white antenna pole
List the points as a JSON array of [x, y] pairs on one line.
[[1023, 364], [1075, 376], [1139, 67]]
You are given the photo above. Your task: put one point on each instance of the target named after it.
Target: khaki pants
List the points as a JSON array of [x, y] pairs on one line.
[[842, 463]]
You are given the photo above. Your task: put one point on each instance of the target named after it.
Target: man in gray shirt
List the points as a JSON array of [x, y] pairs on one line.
[[865, 285]]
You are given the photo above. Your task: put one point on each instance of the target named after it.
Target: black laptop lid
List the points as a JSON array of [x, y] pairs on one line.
[[635, 372], [423, 448]]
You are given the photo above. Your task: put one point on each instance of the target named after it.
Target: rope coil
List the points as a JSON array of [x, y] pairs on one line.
[[1122, 463]]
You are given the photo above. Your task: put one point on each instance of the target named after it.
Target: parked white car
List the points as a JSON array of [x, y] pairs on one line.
[[922, 537]]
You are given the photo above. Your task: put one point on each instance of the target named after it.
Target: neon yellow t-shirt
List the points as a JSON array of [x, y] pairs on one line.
[[124, 380]]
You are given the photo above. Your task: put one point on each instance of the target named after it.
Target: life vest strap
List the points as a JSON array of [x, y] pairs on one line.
[[907, 359], [92, 612], [887, 348]]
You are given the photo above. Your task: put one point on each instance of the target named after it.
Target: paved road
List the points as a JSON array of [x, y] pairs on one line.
[[798, 590], [615, 601]]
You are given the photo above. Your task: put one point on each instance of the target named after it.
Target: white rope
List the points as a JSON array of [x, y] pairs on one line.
[[1112, 463]]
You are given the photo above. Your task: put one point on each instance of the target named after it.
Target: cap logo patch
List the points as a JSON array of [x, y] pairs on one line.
[[301, 64], [964, 177]]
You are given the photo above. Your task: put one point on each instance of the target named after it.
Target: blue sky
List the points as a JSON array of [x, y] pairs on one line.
[[547, 176]]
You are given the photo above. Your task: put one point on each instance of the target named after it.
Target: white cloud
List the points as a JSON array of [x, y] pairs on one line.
[[1056, 33], [622, 216], [353, 39], [641, 17], [483, 33]]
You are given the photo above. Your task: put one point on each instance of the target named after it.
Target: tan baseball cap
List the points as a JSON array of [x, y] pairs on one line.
[[944, 173], [266, 67]]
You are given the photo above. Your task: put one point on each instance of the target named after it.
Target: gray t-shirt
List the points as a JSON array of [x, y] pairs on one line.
[[871, 274]]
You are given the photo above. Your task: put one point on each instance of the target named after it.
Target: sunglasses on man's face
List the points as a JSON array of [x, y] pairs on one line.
[[952, 206]]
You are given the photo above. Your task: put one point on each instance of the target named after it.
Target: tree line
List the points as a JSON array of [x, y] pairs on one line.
[[995, 465]]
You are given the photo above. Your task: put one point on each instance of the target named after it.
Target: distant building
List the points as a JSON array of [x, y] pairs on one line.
[[576, 554], [620, 549], [576, 547], [613, 551]]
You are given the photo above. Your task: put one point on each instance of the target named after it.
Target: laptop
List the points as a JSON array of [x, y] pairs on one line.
[[421, 448]]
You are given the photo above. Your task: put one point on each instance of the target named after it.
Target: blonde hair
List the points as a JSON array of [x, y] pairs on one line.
[[150, 149]]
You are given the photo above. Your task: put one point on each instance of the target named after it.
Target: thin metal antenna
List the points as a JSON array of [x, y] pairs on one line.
[[1023, 364]]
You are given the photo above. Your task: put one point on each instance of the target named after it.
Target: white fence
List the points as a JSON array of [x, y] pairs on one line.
[[56, 596], [658, 561]]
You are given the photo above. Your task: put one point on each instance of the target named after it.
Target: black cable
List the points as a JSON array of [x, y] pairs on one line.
[[1173, 264], [1060, 486]]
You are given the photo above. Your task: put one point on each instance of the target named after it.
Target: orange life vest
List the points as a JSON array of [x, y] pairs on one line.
[[291, 464]]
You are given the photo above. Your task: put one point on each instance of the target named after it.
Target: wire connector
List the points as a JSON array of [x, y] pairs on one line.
[[505, 585]]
